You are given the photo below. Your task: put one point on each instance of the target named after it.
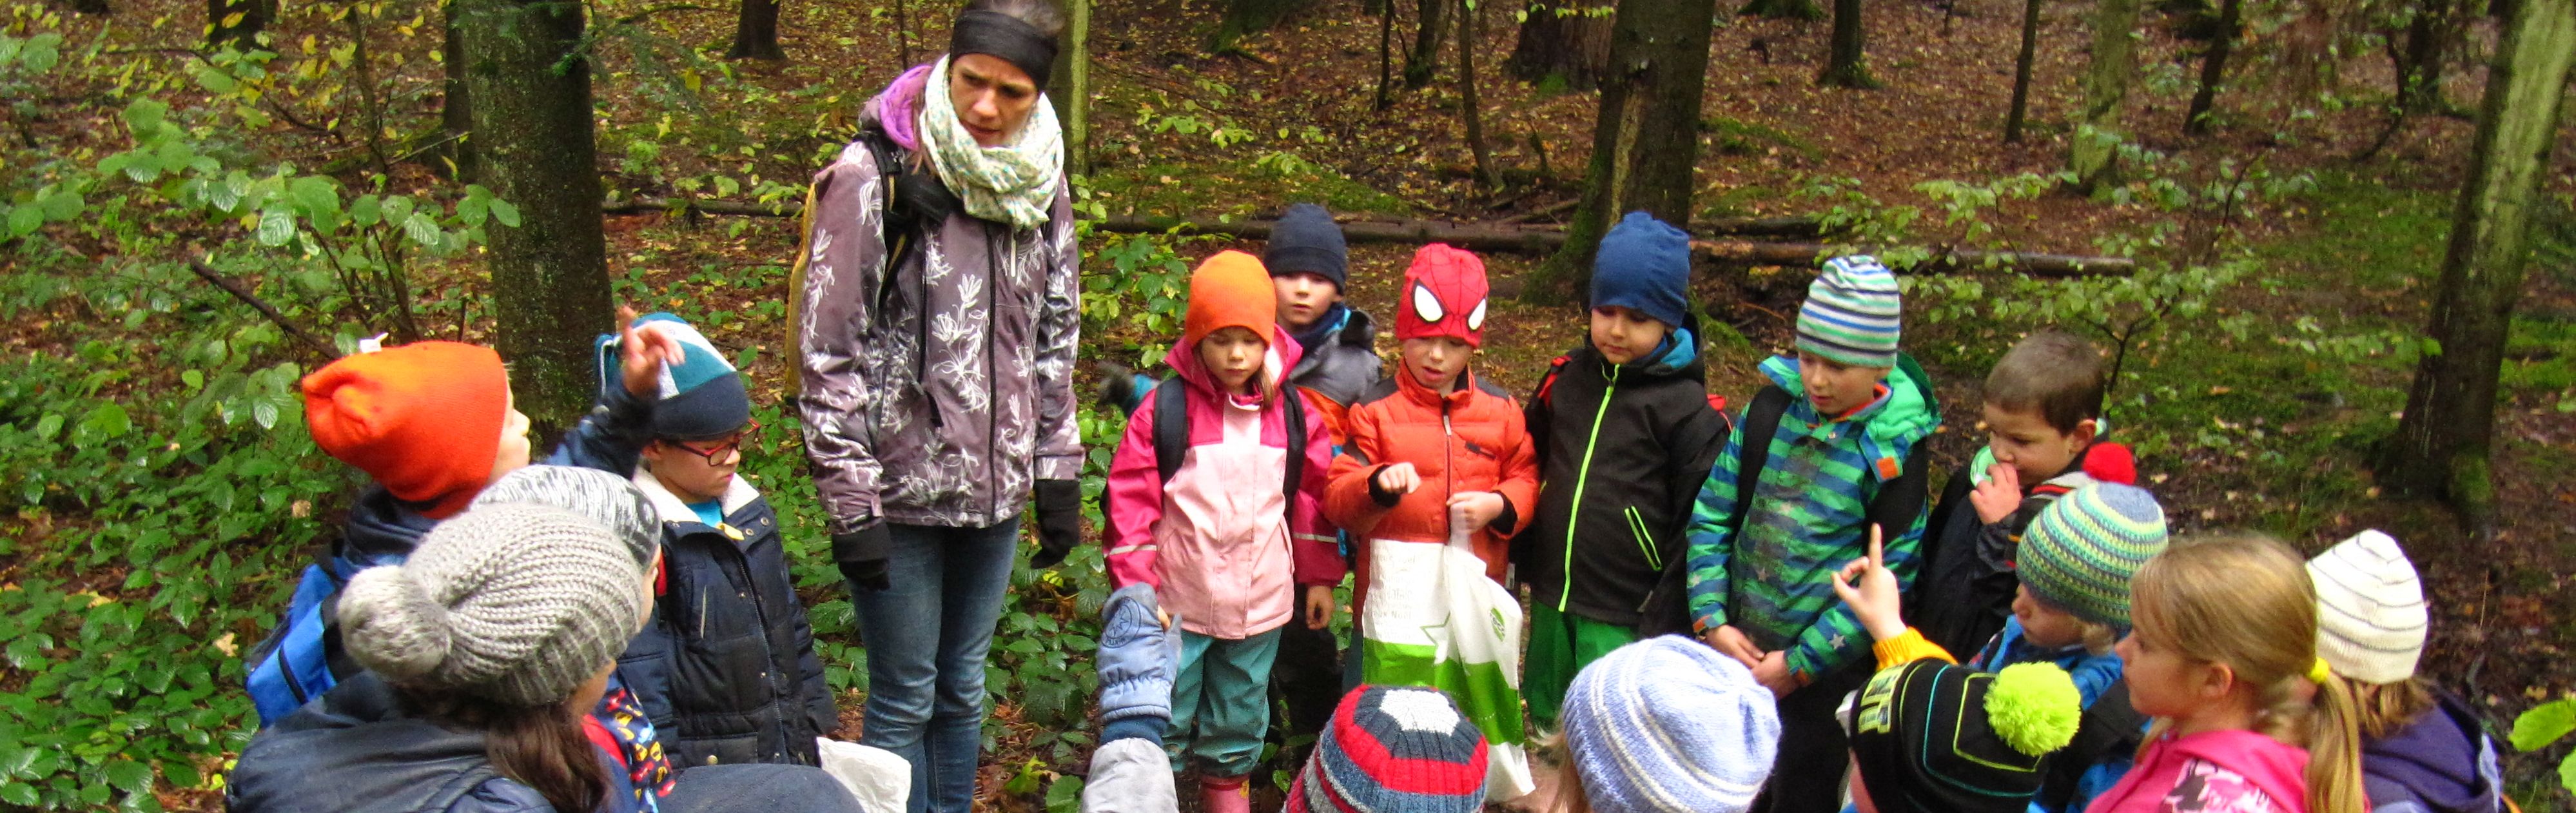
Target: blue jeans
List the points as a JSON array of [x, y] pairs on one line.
[[926, 637]]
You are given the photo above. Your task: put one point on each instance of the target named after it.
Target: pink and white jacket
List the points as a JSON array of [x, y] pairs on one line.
[[1220, 543], [2212, 772]]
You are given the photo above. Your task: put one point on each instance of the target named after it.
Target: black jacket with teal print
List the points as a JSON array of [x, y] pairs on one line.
[[1622, 451]]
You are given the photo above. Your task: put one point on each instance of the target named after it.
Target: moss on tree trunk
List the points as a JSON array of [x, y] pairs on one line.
[[2444, 443], [2114, 64], [532, 124], [1845, 65], [1646, 139]]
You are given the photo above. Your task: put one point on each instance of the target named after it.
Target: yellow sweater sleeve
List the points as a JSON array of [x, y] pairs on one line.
[[1908, 648]]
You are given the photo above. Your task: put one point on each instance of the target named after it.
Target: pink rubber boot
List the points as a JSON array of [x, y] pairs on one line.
[[1225, 795]]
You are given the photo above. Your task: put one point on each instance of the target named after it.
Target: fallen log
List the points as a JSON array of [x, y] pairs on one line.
[[1740, 252], [1520, 238]]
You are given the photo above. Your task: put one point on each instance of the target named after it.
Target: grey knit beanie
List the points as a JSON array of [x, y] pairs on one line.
[[514, 603], [610, 500]]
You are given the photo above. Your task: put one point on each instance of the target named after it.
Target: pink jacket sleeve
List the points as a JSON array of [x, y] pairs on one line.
[[1133, 502], [1312, 538]]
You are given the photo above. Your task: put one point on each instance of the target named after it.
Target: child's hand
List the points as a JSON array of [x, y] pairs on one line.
[[1773, 673], [1398, 479], [1162, 618], [1473, 510], [1870, 589], [1319, 606], [642, 354], [2000, 496], [1729, 641]]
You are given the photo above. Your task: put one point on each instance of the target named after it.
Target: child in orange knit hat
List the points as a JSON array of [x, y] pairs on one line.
[[1231, 534], [430, 423]]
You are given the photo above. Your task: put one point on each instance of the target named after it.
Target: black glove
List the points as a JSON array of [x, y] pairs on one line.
[[861, 554], [1059, 507]]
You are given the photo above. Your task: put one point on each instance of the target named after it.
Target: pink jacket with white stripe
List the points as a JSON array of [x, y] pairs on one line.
[[1220, 543]]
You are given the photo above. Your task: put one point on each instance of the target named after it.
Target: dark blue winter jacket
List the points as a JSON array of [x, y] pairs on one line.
[[727, 667], [354, 751]]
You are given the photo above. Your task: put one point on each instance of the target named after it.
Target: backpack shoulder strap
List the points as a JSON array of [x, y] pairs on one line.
[[1295, 470], [1171, 427], [1547, 383], [1761, 421]]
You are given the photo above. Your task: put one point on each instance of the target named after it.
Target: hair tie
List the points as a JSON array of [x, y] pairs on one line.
[[2319, 672]]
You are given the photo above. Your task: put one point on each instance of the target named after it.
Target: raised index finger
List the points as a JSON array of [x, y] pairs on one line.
[[1877, 547]]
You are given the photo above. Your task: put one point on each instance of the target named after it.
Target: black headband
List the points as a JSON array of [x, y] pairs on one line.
[[1002, 35]]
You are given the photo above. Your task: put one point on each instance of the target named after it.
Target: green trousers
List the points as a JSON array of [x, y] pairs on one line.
[[1561, 644], [1221, 702]]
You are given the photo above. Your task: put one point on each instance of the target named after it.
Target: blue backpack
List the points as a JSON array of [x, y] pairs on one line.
[[302, 658]]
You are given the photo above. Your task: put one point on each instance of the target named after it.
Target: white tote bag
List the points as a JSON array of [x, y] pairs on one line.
[[1433, 619]]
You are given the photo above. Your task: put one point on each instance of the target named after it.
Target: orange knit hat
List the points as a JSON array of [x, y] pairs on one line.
[[424, 419], [1230, 289]]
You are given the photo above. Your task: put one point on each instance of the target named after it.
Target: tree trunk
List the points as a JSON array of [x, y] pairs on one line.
[[237, 22], [755, 31], [1385, 56], [532, 122], [1844, 65], [1245, 18], [2021, 72], [2213, 67], [1071, 89], [2429, 39], [94, 7], [2442, 444], [1425, 56], [456, 103], [1561, 39], [1646, 137], [1783, 9], [2097, 137], [1469, 111]]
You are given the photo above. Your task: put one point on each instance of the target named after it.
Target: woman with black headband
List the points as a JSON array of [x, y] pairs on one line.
[[936, 335]]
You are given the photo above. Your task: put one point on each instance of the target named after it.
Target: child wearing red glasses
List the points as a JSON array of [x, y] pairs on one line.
[[726, 667]]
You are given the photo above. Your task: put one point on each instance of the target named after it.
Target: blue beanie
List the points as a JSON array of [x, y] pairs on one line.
[[1669, 724], [1644, 265], [1307, 241], [702, 398]]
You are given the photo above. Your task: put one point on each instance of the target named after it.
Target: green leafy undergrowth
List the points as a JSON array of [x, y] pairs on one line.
[[157, 525]]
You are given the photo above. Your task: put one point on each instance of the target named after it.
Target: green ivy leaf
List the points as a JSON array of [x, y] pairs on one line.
[[276, 227], [1064, 795], [129, 776], [421, 229], [108, 420], [506, 213], [145, 114], [25, 219], [2544, 724]]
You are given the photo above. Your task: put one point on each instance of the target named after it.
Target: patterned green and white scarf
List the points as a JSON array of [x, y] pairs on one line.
[[1013, 183]]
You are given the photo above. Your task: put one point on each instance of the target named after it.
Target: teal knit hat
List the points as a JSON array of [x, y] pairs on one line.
[[1851, 314], [2082, 549]]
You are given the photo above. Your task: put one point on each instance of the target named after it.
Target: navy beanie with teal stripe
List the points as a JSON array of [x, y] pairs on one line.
[[1852, 313], [701, 397], [1644, 265]]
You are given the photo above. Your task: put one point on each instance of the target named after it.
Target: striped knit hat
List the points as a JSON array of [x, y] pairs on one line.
[[1668, 724], [1394, 748], [2370, 609], [2082, 549], [1852, 313]]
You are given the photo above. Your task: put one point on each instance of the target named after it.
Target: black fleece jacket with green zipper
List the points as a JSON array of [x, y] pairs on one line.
[[1622, 452]]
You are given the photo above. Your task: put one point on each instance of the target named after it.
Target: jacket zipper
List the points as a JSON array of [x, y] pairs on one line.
[[1583, 475]]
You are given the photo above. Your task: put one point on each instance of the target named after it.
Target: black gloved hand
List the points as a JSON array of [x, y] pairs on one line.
[[861, 554], [1059, 507]]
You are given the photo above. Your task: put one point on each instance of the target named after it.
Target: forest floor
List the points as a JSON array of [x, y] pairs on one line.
[[2271, 429]]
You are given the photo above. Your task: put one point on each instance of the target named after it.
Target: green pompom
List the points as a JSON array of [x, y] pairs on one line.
[[2034, 707]]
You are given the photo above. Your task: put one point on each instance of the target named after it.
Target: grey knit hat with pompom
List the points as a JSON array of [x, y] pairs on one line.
[[606, 498], [514, 603]]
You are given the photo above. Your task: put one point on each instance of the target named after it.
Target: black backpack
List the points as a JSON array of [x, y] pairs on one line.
[[1172, 433], [1667, 608]]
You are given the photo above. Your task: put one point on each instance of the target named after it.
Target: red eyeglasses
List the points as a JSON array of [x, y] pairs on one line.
[[725, 451]]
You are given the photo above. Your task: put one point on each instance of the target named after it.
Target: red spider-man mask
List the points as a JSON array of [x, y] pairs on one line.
[[1444, 295]]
